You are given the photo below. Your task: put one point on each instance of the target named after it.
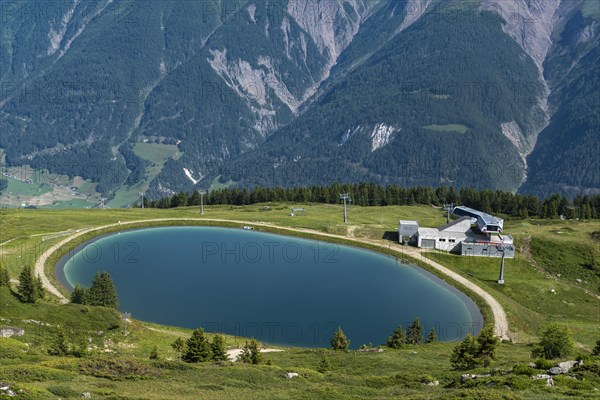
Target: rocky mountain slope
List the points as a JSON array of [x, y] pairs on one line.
[[487, 94]]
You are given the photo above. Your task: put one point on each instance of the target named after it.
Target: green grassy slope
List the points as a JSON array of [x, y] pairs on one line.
[[545, 250]]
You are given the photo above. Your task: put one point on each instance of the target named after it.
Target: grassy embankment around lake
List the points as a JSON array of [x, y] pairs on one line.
[[559, 255]]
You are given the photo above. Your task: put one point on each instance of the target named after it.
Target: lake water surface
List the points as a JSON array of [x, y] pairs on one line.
[[279, 289]]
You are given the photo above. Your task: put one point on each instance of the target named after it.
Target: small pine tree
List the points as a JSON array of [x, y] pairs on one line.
[[219, 353], [251, 353], [27, 288], [59, 347], [39, 287], [487, 342], [397, 339], [79, 295], [555, 342], [324, 364], [464, 355], [198, 348], [596, 351], [431, 336], [154, 354], [414, 333], [179, 346], [4, 277], [103, 292], [339, 341]]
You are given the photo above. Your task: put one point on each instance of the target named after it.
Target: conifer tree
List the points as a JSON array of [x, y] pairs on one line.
[[324, 364], [195, 198], [487, 342], [555, 342], [474, 352], [154, 354], [59, 347], [431, 336], [219, 353], [198, 348], [397, 339], [27, 287], [4, 277], [103, 292], [414, 333], [39, 287], [179, 346], [251, 353], [464, 355], [79, 295], [339, 341]]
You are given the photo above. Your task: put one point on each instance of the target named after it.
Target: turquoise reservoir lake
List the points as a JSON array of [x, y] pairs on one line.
[[278, 289]]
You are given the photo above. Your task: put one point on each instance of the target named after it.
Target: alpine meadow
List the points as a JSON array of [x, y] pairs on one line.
[[299, 199]]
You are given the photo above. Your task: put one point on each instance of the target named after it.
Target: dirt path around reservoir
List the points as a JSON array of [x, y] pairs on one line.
[[500, 318]]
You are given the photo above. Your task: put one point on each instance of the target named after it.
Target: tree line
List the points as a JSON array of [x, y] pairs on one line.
[[198, 349], [372, 194]]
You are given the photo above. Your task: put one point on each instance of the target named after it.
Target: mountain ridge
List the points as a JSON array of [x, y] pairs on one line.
[[77, 98]]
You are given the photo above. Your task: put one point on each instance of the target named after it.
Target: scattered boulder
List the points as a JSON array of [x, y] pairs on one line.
[[541, 376], [466, 377], [291, 375], [6, 390], [86, 395], [567, 365], [11, 331], [433, 383], [550, 381], [556, 371], [376, 350], [564, 367]]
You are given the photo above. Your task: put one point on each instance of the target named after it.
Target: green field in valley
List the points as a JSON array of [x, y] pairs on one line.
[[155, 152]]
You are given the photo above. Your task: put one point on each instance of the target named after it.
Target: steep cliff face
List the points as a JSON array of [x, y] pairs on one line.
[[414, 10], [65, 30], [296, 48], [331, 25], [531, 25], [566, 156]]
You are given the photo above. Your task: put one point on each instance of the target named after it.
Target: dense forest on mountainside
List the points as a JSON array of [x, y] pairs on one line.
[[452, 72], [300, 92]]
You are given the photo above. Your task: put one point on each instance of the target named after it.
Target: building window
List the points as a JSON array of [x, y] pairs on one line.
[[442, 240], [452, 240]]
